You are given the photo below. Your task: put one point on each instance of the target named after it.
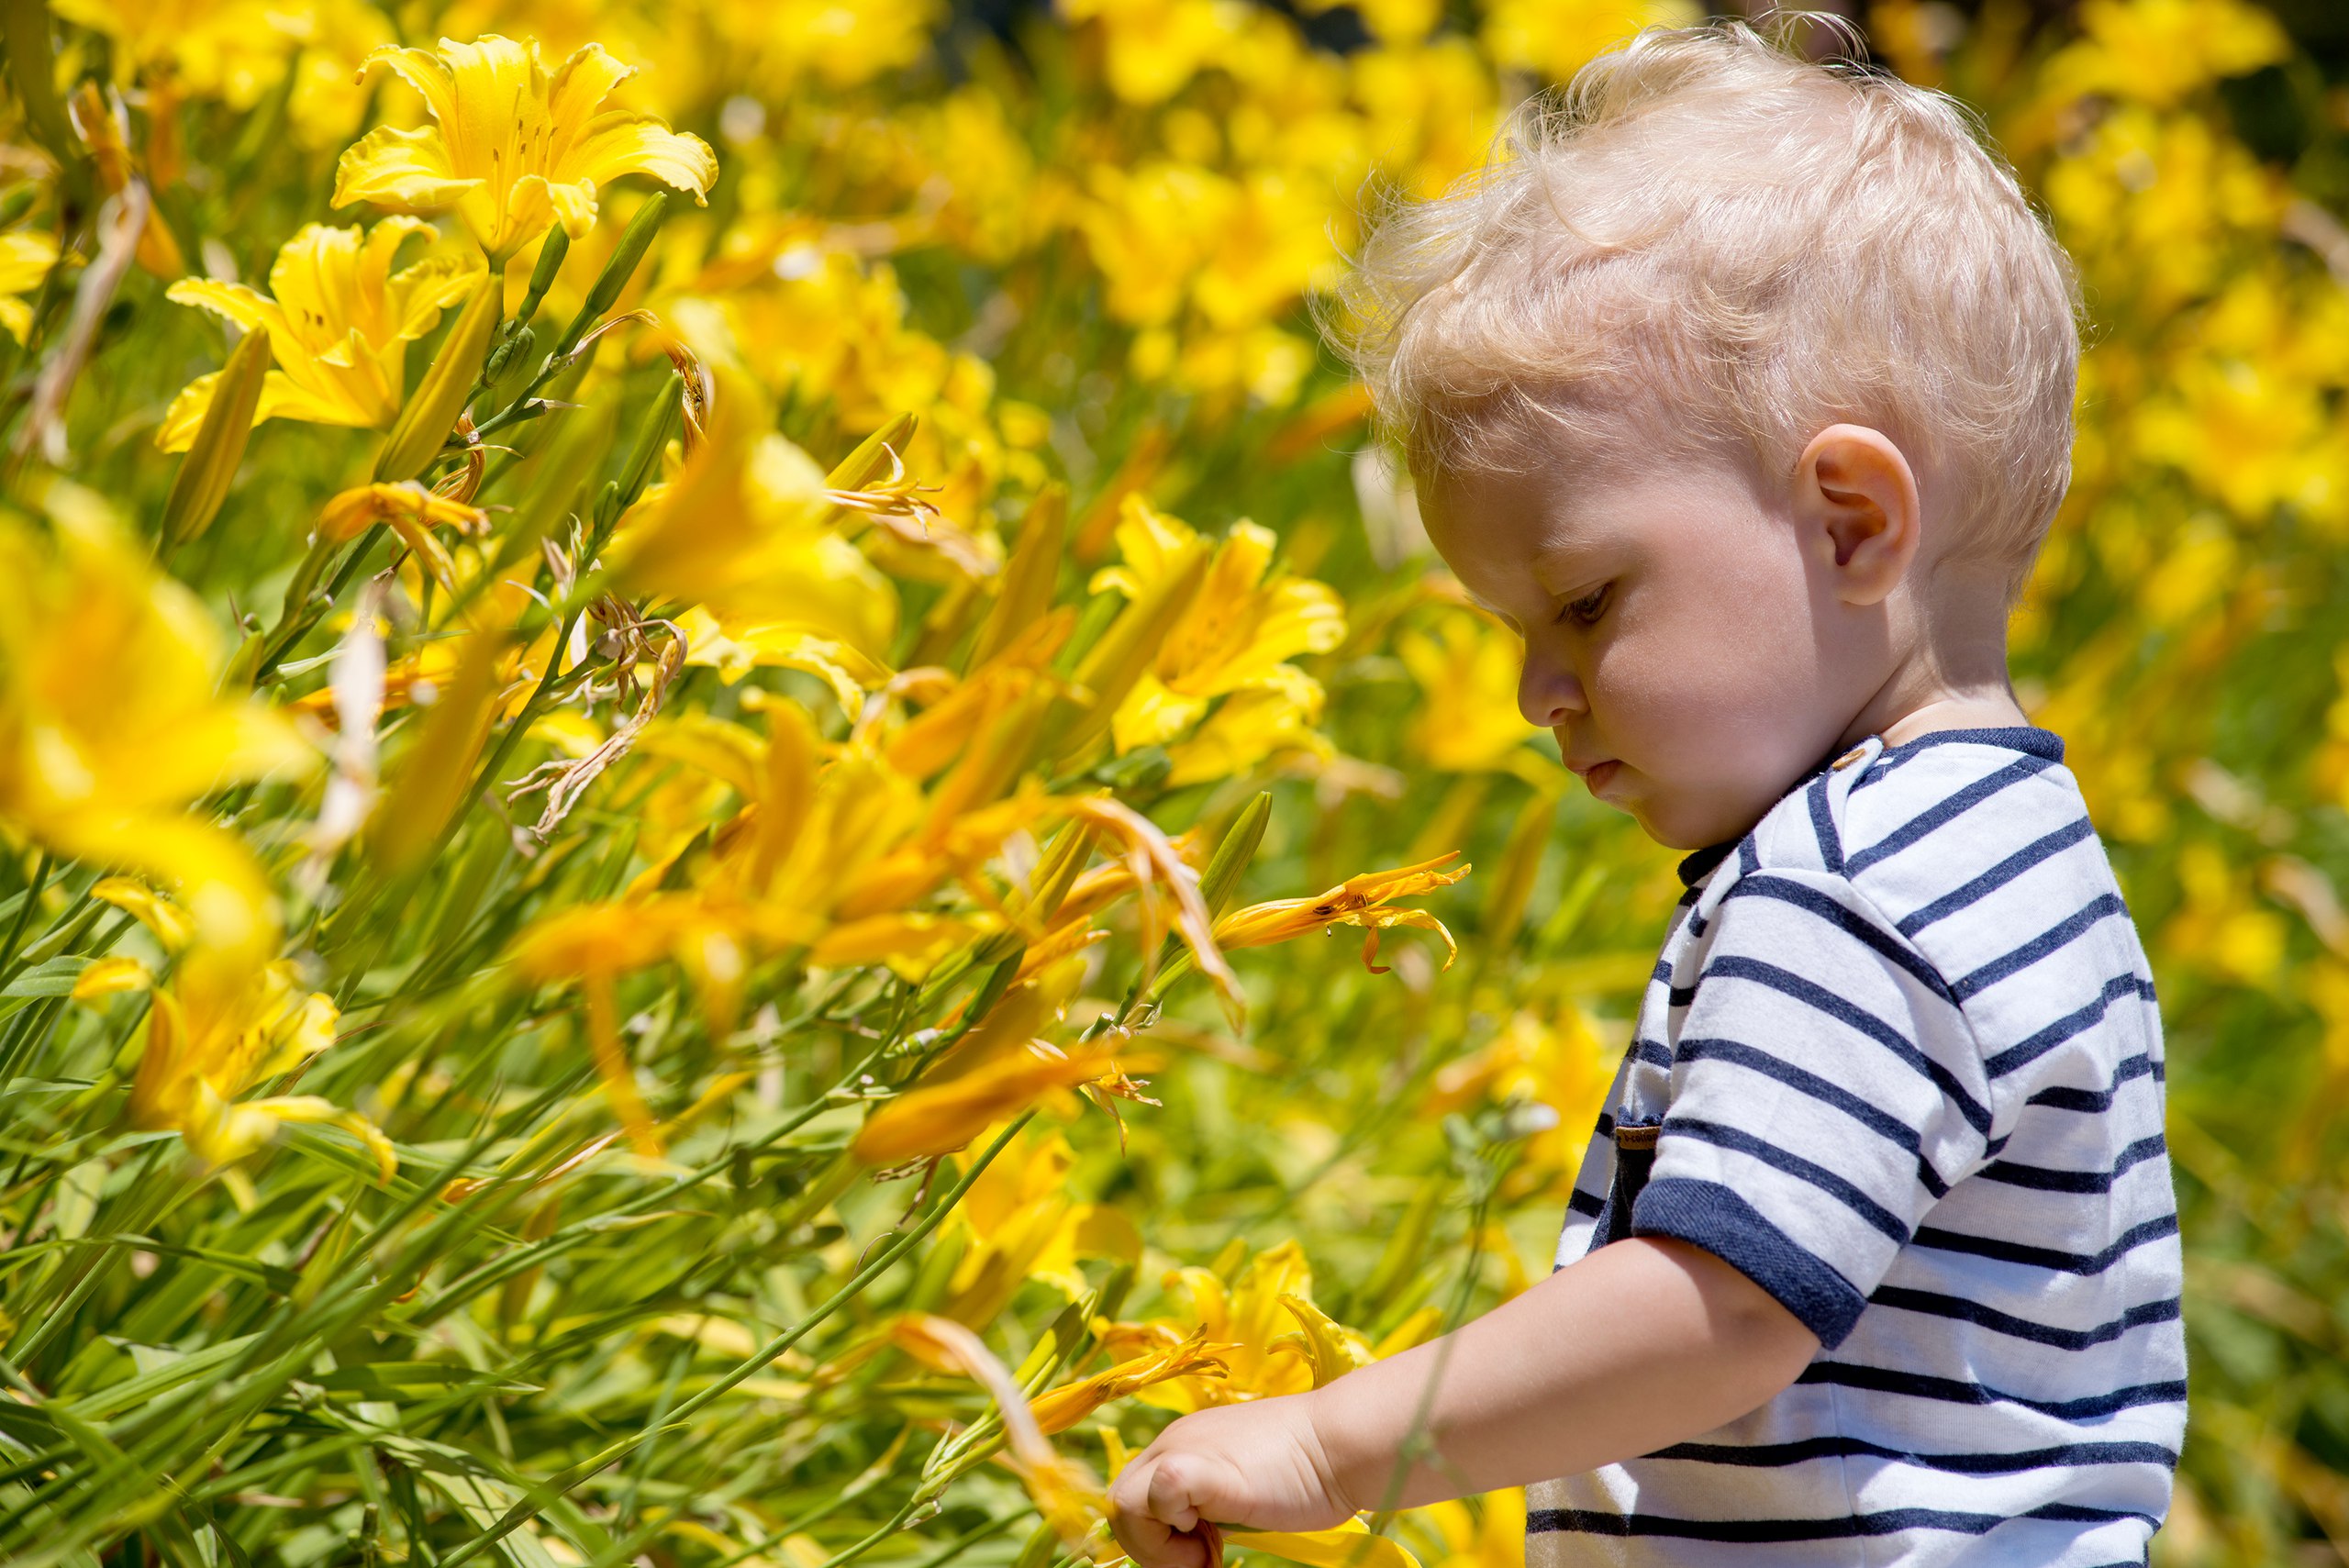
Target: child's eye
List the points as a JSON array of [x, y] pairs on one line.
[[1587, 610]]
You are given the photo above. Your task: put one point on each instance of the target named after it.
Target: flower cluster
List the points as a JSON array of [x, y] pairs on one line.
[[661, 666]]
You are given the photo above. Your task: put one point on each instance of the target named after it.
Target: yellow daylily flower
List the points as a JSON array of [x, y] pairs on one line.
[[1270, 1337], [339, 322], [110, 721], [2159, 51], [223, 1027], [514, 149], [744, 530], [1021, 1224], [1357, 901], [233, 49], [1154, 47], [1468, 669], [1237, 634], [413, 512], [734, 645], [26, 256], [1275, 718]]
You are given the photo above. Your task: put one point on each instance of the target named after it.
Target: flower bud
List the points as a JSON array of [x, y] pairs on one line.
[[202, 482], [432, 408]]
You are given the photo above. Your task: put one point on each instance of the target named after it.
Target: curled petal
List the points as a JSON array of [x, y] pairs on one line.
[[406, 170], [621, 143], [1378, 919]]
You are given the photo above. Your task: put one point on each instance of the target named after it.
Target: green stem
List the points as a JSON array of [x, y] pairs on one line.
[[25, 912], [529, 1507]]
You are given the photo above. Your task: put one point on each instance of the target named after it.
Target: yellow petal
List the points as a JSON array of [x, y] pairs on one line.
[[186, 416], [909, 943], [582, 83], [621, 143], [932, 1120], [246, 306], [1329, 1349], [407, 171], [159, 915], [111, 976], [422, 70], [1348, 1545]]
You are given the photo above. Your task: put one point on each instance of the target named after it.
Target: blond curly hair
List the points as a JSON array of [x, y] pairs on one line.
[[1706, 238]]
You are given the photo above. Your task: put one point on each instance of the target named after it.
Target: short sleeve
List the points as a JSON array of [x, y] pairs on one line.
[[1826, 1092]]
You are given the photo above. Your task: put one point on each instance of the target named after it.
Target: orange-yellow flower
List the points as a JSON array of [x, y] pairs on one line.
[[1058, 1409], [1357, 901]]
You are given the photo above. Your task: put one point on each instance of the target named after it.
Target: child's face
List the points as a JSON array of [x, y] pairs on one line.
[[1684, 638]]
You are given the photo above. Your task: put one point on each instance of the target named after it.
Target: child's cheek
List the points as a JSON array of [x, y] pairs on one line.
[[1711, 717]]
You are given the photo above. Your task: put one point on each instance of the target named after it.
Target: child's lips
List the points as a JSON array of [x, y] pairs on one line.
[[1595, 776]]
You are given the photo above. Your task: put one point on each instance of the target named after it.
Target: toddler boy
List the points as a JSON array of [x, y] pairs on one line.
[[1742, 389]]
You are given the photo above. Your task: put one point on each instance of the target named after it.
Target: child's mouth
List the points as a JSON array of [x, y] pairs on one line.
[[1596, 776]]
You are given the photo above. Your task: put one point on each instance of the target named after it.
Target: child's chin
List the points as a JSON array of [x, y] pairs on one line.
[[1673, 829]]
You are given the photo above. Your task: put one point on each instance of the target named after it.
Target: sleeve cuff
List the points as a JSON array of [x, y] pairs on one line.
[[1708, 1214]]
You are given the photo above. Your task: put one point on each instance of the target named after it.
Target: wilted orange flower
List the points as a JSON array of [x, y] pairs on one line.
[[1357, 901]]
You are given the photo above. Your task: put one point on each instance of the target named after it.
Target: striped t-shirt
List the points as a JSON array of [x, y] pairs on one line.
[[1900, 1065]]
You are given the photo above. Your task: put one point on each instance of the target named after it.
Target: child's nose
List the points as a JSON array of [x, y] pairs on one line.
[[1548, 694]]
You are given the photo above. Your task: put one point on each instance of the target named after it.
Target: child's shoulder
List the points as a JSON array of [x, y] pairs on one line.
[[1979, 836]]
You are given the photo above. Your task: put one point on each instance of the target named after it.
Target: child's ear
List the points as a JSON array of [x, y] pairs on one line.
[[1855, 500]]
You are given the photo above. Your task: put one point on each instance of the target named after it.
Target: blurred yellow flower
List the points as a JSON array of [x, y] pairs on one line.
[[934, 1118], [110, 721], [1155, 47], [1554, 1055], [412, 512], [1466, 668], [339, 322], [841, 45], [1454, 1535], [745, 530], [1554, 38], [1020, 1223], [2159, 51], [1275, 717], [1239, 629], [26, 256], [233, 49], [224, 1027], [514, 150]]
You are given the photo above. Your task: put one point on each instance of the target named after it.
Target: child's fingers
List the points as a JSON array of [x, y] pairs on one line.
[[1171, 1495], [1149, 1517]]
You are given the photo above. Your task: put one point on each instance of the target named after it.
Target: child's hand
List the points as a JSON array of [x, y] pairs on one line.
[[1260, 1465]]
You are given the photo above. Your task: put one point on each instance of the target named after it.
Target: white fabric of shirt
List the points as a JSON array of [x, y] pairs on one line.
[[1903, 1063]]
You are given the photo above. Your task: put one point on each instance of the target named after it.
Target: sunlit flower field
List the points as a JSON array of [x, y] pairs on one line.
[[740, 815]]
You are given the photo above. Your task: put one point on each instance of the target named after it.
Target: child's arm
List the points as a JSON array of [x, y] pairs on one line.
[[1642, 1344]]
